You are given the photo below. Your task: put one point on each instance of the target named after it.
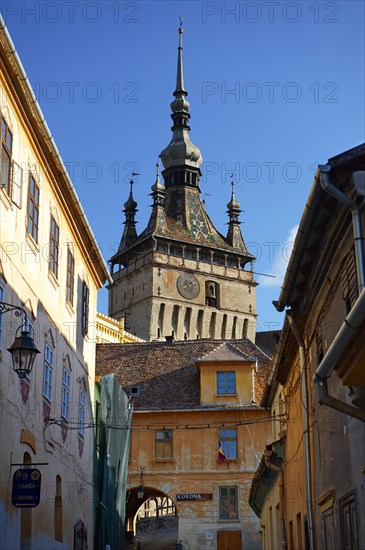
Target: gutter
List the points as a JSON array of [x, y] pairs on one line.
[[53, 148], [272, 384], [304, 397], [305, 227], [355, 318]]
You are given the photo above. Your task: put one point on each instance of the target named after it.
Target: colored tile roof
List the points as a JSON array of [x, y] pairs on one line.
[[167, 372]]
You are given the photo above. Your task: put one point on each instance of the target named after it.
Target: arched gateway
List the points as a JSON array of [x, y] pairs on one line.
[[151, 518]]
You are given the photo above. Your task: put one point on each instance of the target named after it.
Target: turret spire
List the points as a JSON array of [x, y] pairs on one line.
[[234, 235], [130, 210], [158, 189]]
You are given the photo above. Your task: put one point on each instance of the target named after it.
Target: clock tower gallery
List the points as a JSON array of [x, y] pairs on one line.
[[180, 276]]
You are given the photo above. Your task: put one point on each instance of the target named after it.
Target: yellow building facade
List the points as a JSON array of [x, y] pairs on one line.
[[197, 430], [51, 267]]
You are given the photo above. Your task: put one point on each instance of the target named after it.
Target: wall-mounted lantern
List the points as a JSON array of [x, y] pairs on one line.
[[23, 350]]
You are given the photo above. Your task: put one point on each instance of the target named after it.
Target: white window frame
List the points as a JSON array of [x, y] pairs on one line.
[[66, 391], [48, 371]]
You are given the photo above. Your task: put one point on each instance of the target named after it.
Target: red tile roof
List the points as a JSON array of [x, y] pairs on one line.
[[167, 373]]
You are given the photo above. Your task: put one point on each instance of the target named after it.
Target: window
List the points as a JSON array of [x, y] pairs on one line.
[[82, 407], [211, 294], [66, 394], [228, 503], [33, 209], [47, 374], [349, 522], [85, 309], [226, 383], [228, 439], [350, 287], [6, 149], [70, 277], [163, 444], [17, 184], [54, 246]]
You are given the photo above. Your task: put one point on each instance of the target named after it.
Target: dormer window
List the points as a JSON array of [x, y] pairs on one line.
[[226, 383]]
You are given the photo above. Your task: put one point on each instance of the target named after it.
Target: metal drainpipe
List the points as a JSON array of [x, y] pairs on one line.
[[304, 391], [328, 187]]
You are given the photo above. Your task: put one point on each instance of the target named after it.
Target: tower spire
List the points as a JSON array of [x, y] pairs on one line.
[[180, 69], [181, 155]]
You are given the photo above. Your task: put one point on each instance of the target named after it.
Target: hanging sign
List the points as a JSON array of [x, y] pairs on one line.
[[194, 496], [26, 488]]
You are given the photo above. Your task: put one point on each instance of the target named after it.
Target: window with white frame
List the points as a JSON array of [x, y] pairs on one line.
[[48, 372], [82, 410], [66, 390]]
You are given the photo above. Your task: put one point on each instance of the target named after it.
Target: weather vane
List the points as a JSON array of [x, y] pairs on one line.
[[131, 180]]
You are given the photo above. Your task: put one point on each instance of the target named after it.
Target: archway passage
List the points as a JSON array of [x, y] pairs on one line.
[[151, 521]]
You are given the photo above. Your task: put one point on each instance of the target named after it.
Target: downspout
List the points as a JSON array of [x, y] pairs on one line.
[[356, 315], [328, 187], [304, 396]]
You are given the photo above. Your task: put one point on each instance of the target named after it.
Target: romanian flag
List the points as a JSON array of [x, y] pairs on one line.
[[221, 453]]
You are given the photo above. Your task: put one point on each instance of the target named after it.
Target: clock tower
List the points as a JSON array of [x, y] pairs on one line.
[[180, 277]]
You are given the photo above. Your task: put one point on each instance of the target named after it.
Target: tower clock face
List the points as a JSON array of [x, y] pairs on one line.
[[188, 286]]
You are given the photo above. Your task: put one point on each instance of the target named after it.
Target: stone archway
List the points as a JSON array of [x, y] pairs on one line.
[[151, 521]]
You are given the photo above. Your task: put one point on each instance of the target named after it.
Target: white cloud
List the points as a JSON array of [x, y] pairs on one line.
[[278, 267]]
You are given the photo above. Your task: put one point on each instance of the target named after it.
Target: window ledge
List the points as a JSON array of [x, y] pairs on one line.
[[70, 308], [165, 459], [32, 244], [53, 279]]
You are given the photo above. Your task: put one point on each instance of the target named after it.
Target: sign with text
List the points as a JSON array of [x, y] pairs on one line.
[[26, 488], [194, 496]]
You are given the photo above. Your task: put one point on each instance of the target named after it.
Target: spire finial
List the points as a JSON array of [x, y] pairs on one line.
[[157, 171], [180, 71]]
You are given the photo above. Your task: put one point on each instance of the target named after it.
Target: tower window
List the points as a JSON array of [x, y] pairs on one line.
[[211, 293]]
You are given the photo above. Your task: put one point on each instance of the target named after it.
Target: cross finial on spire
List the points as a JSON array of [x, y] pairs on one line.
[[180, 31], [157, 170]]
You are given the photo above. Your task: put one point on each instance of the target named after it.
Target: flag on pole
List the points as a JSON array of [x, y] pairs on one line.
[[221, 453]]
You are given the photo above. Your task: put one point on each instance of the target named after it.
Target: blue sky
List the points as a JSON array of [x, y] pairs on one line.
[[274, 87]]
